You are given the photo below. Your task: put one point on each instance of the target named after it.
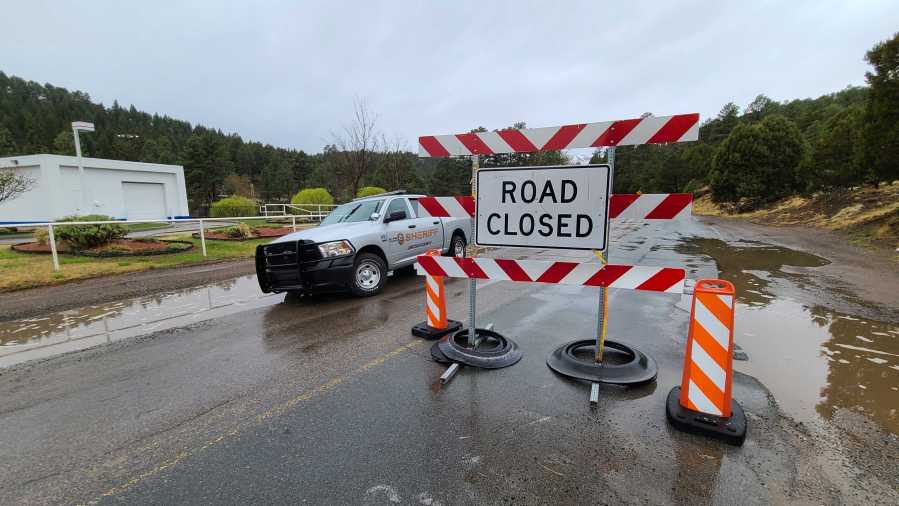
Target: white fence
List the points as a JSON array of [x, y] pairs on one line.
[[51, 238], [311, 212]]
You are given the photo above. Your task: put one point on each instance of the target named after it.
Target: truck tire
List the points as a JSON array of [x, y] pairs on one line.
[[369, 275], [457, 246]]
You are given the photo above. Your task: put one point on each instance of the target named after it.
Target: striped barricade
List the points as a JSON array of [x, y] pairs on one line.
[[622, 206], [655, 279], [628, 132]]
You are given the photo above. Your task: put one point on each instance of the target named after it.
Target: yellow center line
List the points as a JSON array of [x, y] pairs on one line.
[[266, 415]]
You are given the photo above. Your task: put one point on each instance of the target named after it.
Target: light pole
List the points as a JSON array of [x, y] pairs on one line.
[[81, 126]]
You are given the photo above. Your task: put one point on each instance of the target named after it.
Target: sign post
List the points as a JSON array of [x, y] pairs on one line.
[[473, 283]]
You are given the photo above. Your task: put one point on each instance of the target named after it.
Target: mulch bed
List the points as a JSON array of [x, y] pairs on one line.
[[118, 248], [258, 233]]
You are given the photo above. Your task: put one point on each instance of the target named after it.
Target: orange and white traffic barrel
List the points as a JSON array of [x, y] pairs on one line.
[[436, 324], [703, 402]]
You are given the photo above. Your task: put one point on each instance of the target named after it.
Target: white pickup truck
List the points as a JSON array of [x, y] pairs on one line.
[[357, 245]]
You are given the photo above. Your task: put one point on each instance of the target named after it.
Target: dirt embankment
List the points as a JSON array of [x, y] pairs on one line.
[[869, 216]]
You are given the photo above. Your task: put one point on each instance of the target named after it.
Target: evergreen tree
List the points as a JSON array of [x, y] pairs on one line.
[[836, 159], [7, 144], [758, 162], [206, 163], [881, 131], [451, 177], [64, 144]]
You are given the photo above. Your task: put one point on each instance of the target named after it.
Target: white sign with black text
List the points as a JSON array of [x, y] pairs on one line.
[[560, 207]]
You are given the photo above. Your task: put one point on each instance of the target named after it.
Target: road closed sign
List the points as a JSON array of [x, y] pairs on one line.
[[560, 207]]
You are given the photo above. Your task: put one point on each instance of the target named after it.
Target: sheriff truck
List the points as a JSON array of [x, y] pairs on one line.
[[357, 246]]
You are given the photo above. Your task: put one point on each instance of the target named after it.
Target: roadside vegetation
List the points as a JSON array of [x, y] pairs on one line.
[[235, 206], [773, 150], [312, 196], [870, 216]]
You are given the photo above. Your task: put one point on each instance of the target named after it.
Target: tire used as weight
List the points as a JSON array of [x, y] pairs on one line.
[[369, 275]]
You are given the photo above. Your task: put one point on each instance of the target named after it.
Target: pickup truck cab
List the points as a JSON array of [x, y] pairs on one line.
[[357, 246]]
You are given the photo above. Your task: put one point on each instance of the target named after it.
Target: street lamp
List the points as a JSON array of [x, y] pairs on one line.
[[81, 126]]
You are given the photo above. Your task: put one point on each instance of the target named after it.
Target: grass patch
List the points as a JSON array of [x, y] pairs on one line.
[[23, 270]]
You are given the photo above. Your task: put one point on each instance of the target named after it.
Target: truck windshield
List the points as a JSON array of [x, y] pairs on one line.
[[352, 212]]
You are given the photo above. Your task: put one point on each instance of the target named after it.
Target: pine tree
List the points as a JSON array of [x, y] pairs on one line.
[[7, 143], [881, 132]]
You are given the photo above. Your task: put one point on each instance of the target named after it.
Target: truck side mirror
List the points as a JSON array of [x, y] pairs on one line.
[[395, 216]]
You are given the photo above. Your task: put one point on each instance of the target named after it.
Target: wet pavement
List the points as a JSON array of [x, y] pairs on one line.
[[77, 329], [240, 398]]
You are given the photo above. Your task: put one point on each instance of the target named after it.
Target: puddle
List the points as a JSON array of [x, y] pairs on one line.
[[67, 331], [751, 266], [814, 359]]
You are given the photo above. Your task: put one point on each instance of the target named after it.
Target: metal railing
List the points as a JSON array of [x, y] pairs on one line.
[[311, 212], [51, 237]]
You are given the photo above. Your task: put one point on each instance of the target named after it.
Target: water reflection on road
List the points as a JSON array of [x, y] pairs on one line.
[[815, 359], [66, 331]]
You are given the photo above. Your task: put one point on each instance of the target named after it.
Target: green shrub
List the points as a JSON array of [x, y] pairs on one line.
[[240, 231], [41, 235], [89, 236], [368, 191], [232, 206], [312, 196]]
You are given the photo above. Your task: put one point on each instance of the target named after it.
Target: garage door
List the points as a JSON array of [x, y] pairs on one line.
[[144, 201]]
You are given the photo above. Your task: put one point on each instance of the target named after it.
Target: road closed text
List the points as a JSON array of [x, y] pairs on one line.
[[547, 207]]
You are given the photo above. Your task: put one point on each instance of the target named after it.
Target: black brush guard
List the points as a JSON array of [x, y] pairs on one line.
[[279, 266]]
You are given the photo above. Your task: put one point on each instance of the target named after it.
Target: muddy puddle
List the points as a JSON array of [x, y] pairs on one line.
[[810, 340], [82, 328]]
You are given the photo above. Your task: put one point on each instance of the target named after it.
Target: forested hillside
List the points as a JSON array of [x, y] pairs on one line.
[[36, 118], [746, 157], [774, 149]]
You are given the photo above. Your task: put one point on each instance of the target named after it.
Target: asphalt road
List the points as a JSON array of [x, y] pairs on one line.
[[331, 401]]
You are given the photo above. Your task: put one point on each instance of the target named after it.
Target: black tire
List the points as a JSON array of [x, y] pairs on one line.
[[365, 284], [457, 243]]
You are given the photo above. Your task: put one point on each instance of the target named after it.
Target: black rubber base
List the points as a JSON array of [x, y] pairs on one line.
[[493, 352], [730, 430], [425, 331], [621, 365]]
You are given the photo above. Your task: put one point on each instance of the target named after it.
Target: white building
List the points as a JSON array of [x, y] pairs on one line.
[[122, 190]]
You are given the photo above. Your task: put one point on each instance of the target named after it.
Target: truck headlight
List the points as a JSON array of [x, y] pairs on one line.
[[335, 249]]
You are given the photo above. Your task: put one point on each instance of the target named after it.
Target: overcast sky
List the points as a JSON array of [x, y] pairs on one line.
[[287, 73]]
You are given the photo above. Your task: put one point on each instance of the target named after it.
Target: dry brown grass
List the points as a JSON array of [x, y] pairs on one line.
[[869, 215]]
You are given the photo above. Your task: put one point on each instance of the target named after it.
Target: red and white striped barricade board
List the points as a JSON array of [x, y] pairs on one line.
[[628, 132], [622, 206], [654, 279]]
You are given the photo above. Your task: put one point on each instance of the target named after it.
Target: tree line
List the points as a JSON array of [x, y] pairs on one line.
[[774, 149], [748, 157]]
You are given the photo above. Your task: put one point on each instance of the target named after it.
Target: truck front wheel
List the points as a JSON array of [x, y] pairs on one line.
[[369, 274], [457, 246]]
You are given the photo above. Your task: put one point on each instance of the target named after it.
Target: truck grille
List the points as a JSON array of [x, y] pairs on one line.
[[279, 266]]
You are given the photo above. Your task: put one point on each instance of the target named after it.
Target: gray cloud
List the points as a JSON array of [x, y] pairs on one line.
[[287, 72]]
